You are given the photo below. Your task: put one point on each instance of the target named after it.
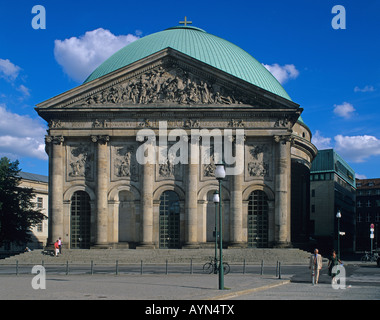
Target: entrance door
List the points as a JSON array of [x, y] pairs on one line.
[[258, 220], [80, 224], [169, 220]]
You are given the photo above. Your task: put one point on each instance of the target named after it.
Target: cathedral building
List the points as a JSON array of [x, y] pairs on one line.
[[132, 151]]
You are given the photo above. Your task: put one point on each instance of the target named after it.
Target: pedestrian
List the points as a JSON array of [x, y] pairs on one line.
[[60, 245], [315, 265], [56, 248], [333, 261]]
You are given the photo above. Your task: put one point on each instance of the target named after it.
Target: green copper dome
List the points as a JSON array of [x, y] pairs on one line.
[[199, 45]]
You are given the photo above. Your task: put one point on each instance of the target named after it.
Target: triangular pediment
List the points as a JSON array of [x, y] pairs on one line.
[[166, 79]]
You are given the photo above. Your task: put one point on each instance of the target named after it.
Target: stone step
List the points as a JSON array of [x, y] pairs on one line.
[[250, 255]]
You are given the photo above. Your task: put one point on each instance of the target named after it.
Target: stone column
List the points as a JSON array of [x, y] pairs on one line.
[[102, 178], [56, 176], [282, 193], [236, 214], [191, 206], [147, 206]]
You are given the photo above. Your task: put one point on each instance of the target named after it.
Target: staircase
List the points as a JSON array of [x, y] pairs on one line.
[[235, 255]]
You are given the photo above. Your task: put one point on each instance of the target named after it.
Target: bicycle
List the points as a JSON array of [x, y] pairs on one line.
[[368, 257], [213, 267]]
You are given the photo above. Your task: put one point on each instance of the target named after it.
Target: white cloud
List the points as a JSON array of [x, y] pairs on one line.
[[81, 56], [8, 70], [344, 110], [321, 142], [24, 90], [360, 176], [282, 73], [21, 136], [365, 89], [357, 148]]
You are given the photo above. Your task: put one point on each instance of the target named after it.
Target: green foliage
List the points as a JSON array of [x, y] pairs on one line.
[[18, 214]]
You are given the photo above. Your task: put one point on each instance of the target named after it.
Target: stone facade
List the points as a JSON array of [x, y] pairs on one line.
[[92, 145]]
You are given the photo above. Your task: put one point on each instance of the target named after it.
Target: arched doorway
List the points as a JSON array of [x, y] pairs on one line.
[[127, 217], [80, 222], [169, 220], [258, 219]]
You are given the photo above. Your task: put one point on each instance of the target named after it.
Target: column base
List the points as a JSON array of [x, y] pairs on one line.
[[101, 246], [146, 246], [283, 245], [234, 245], [191, 245]]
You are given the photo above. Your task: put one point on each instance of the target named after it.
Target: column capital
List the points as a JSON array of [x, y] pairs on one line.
[[283, 139], [58, 140], [100, 139]]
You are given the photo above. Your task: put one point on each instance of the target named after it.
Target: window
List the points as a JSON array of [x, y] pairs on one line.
[[313, 193], [368, 217], [359, 217], [377, 217], [359, 204], [40, 203], [368, 203], [39, 227]]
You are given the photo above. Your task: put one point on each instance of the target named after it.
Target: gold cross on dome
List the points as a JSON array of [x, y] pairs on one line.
[[185, 22]]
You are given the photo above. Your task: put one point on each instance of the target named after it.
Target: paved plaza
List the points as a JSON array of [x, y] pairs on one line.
[[362, 283]]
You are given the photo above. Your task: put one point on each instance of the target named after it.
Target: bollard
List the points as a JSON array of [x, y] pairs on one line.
[[16, 267], [279, 270], [191, 266], [166, 267], [92, 267], [244, 266], [117, 267], [141, 267], [67, 267], [262, 267]]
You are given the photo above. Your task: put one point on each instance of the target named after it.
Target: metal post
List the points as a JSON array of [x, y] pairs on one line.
[[279, 270], [221, 270], [67, 267], [166, 266], [117, 267], [216, 237], [276, 269], [262, 267], [338, 238], [16, 267], [92, 267], [141, 267], [191, 266], [244, 267]]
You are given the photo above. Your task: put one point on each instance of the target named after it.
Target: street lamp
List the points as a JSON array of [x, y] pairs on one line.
[[220, 174], [338, 216], [215, 199]]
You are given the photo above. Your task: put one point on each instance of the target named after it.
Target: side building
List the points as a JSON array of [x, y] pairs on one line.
[[332, 189], [39, 184], [367, 213]]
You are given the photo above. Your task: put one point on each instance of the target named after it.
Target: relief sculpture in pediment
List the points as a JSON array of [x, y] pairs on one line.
[[161, 86]]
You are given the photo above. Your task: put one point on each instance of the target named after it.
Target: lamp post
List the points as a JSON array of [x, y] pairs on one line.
[[220, 174], [338, 216], [215, 199]]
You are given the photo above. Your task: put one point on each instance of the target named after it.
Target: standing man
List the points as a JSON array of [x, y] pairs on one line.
[[60, 245], [315, 265]]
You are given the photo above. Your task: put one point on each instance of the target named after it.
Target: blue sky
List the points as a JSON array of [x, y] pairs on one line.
[[333, 74]]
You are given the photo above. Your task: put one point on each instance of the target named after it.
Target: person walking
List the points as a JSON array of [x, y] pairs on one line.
[[56, 248], [315, 265], [333, 261], [60, 245]]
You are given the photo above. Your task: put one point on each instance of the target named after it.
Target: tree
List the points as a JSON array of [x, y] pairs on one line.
[[18, 214]]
